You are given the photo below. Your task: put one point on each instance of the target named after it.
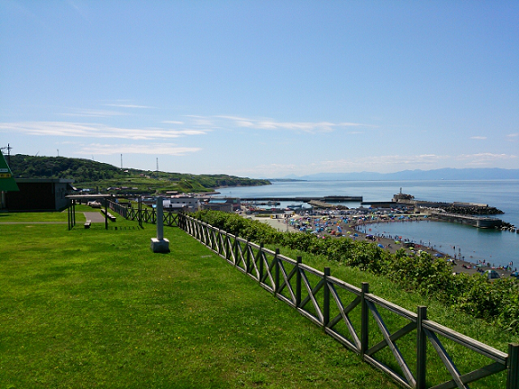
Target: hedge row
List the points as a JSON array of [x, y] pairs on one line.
[[496, 302]]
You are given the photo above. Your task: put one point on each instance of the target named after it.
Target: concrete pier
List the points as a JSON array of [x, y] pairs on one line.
[[326, 199], [475, 221]]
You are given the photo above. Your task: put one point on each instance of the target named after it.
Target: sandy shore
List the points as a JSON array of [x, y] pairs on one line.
[[458, 266]]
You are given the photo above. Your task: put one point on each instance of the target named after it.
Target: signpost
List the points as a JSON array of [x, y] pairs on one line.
[[159, 244]]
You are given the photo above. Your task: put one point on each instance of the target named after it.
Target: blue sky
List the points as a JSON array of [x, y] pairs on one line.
[[263, 88]]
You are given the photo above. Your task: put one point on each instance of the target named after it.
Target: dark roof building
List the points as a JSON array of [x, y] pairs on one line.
[[39, 195]]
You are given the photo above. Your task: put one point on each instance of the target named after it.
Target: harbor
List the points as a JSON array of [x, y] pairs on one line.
[[491, 244]]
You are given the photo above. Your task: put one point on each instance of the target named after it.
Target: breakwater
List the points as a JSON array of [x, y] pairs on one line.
[[475, 221], [305, 199]]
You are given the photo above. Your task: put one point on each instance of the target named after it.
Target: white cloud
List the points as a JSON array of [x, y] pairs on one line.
[[129, 106], [484, 159], [478, 137], [269, 124], [382, 164], [93, 113], [390, 163], [93, 130], [172, 122], [154, 149], [201, 121]]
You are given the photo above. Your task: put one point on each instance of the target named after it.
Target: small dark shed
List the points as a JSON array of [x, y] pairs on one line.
[[39, 195]]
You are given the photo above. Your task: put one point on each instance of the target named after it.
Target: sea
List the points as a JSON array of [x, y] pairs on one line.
[[500, 248]]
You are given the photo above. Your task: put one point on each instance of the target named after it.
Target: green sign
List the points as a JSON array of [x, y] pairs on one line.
[[7, 182]]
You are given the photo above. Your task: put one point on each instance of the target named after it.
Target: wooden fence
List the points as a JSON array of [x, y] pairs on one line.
[[146, 215], [364, 323]]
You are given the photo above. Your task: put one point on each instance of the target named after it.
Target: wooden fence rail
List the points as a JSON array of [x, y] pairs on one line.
[[143, 215], [359, 320], [349, 314]]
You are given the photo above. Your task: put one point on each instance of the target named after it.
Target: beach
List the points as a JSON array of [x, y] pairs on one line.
[[359, 231]]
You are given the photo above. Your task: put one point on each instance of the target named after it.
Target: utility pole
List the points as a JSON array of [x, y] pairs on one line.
[[8, 148], [121, 161]]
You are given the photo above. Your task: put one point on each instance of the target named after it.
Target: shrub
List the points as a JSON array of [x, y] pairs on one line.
[[497, 302]]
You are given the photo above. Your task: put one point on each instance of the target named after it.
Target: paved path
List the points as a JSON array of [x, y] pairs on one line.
[[33, 223], [94, 217]]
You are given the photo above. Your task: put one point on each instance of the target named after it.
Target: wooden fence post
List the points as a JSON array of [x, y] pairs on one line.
[[421, 348], [226, 246], [298, 282], [247, 256], [236, 251], [513, 366], [73, 213], [218, 240], [276, 272], [326, 298], [364, 320], [260, 269], [68, 215]]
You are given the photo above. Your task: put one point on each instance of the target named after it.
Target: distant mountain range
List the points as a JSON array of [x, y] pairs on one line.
[[437, 174]]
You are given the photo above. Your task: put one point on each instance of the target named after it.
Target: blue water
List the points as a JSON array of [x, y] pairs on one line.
[[474, 244]]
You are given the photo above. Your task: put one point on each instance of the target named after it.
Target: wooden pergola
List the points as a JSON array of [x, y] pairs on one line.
[[72, 208]]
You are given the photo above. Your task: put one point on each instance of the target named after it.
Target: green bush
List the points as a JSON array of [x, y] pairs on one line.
[[496, 302]]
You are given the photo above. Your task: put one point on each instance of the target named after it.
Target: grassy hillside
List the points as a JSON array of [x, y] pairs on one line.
[[96, 308], [91, 174]]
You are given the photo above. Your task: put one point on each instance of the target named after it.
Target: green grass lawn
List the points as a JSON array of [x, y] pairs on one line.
[[96, 308]]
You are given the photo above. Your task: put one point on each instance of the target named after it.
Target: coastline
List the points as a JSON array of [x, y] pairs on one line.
[[350, 230]]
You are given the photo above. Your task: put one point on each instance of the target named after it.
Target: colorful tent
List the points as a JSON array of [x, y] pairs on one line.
[[7, 182]]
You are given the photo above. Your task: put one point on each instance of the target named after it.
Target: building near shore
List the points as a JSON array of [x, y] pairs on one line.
[[227, 204], [187, 203]]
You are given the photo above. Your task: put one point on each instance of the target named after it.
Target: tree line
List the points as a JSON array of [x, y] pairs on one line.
[[87, 173]]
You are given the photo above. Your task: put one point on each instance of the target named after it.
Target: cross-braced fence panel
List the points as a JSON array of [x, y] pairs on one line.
[[414, 351], [313, 282], [289, 275], [344, 324], [395, 325], [464, 360]]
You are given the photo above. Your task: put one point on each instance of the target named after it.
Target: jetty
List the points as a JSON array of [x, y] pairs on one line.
[[472, 214], [475, 221], [325, 199]]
